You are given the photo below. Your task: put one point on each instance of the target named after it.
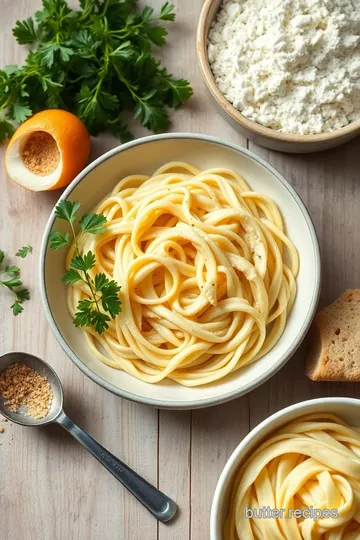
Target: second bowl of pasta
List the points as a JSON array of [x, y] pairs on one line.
[[212, 255], [296, 475]]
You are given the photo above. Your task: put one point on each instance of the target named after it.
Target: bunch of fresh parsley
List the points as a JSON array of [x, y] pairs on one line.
[[104, 303], [12, 280], [96, 62]]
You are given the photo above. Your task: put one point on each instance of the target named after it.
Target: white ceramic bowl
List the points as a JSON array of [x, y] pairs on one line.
[[144, 156], [347, 408]]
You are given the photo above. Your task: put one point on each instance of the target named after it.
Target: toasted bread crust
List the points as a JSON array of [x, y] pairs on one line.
[[335, 341]]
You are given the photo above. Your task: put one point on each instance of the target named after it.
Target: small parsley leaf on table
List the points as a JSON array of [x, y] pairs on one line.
[[12, 280], [24, 251]]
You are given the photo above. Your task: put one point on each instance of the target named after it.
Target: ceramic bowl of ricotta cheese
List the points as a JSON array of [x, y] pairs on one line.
[[284, 74]]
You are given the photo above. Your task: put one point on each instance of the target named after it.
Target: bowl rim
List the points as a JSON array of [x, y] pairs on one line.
[[235, 114], [234, 457], [199, 403]]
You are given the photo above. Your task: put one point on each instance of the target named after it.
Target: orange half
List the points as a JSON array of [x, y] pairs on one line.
[[48, 150]]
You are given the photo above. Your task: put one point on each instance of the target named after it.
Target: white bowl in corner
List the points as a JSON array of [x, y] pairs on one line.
[[346, 408], [144, 156]]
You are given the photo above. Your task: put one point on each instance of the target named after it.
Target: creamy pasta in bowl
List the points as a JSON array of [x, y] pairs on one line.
[[206, 241], [296, 475]]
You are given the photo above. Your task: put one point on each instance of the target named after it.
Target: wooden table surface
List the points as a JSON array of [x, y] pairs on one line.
[[52, 489]]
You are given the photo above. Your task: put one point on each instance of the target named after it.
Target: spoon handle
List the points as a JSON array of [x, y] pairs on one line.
[[158, 504]]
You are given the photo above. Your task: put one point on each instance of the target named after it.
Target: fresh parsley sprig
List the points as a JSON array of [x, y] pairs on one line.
[[13, 282], [96, 62], [104, 303], [24, 251]]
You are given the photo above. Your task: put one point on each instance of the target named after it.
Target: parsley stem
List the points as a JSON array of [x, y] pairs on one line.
[[87, 279]]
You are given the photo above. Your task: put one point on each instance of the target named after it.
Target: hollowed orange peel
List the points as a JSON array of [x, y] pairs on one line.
[[54, 137]]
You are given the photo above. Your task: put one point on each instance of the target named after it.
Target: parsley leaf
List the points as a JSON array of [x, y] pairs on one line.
[[152, 113], [25, 250], [156, 34], [178, 91], [93, 223], [20, 112], [125, 51], [25, 31], [84, 263], [83, 315], [100, 321], [110, 299], [109, 294], [22, 294], [13, 284], [12, 270], [167, 12], [67, 210], [17, 308], [6, 130], [58, 240], [71, 276]]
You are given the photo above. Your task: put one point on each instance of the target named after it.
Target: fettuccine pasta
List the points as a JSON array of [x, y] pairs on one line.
[[206, 269], [312, 463]]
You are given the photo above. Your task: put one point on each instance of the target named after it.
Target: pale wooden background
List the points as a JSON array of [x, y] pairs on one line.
[[50, 488]]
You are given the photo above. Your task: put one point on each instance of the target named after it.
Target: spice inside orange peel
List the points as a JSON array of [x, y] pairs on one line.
[[48, 150]]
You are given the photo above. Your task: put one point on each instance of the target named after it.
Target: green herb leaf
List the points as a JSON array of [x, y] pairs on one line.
[[65, 53], [58, 240], [17, 308], [46, 53], [83, 314], [125, 51], [167, 12], [178, 91], [152, 115], [71, 276], [20, 112], [11, 283], [84, 263], [25, 31], [11, 69], [22, 294], [156, 34], [12, 270], [24, 251], [110, 294], [93, 223], [67, 210], [100, 321], [6, 130]]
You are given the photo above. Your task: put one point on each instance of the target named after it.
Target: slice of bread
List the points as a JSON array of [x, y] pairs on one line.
[[335, 341]]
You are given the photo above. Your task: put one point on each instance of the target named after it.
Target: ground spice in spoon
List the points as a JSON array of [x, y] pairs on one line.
[[21, 386], [40, 153]]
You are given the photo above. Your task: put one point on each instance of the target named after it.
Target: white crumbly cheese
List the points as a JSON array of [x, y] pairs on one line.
[[291, 65]]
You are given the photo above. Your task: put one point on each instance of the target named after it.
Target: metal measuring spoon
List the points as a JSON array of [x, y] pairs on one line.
[[154, 500]]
